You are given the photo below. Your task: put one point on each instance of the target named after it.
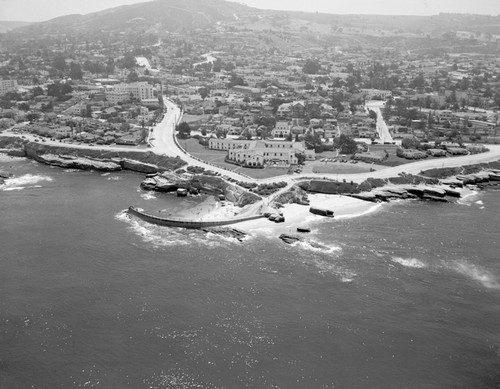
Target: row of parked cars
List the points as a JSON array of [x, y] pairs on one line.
[[341, 160]]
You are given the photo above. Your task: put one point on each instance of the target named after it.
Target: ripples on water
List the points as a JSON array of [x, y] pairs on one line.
[[406, 297]]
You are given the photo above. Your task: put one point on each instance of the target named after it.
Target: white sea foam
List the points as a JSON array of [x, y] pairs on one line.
[[27, 180], [158, 236], [329, 267], [148, 196], [486, 278], [468, 198], [409, 262], [372, 209], [317, 247]]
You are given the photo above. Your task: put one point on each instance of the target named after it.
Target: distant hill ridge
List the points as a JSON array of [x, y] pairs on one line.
[[179, 15]]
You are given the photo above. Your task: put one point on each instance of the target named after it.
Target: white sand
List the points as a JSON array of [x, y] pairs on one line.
[[299, 215]]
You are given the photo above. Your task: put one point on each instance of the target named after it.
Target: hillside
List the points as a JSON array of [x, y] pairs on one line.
[[171, 15], [182, 15]]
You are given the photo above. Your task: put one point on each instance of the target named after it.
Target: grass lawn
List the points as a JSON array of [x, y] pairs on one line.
[[337, 167]]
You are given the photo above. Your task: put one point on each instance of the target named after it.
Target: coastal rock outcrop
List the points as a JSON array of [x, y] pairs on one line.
[[140, 167], [71, 162], [199, 183], [232, 233], [422, 192], [295, 195]]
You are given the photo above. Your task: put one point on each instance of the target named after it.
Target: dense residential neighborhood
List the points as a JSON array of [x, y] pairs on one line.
[[282, 84]]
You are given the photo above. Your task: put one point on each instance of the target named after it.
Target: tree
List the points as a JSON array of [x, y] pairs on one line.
[[410, 143], [345, 144], [59, 90], [236, 80], [372, 114], [184, 130], [301, 157], [37, 91], [229, 67], [32, 116], [132, 77], [66, 89], [311, 66], [203, 93], [75, 71], [128, 61], [59, 63]]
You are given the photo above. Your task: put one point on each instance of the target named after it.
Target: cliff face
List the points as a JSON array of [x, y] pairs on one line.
[[139, 161], [81, 163]]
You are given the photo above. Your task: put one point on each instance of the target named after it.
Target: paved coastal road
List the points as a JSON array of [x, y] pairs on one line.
[[164, 144]]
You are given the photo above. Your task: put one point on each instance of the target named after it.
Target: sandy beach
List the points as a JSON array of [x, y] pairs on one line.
[[295, 215], [299, 216]]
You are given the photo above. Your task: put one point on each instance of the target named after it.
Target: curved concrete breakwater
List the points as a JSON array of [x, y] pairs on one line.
[[187, 223]]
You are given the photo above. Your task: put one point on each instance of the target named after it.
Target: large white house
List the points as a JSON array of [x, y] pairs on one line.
[[281, 130], [138, 90], [257, 153]]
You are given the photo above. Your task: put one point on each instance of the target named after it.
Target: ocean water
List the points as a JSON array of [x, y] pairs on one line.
[[405, 297]]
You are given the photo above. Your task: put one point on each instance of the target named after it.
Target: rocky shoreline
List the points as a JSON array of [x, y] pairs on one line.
[[89, 159], [199, 183]]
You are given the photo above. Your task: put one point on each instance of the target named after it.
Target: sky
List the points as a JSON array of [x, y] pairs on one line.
[[39, 10]]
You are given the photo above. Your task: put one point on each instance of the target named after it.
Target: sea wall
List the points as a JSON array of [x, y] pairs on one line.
[[187, 223]]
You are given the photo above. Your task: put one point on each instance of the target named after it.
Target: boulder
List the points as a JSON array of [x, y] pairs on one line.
[[321, 211], [290, 239]]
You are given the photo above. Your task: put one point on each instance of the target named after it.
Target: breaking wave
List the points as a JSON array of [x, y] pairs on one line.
[[486, 278], [159, 236], [25, 181], [409, 262], [148, 196], [316, 247], [372, 209]]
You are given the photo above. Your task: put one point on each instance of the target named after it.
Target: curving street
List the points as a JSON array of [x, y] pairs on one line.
[[164, 143]]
